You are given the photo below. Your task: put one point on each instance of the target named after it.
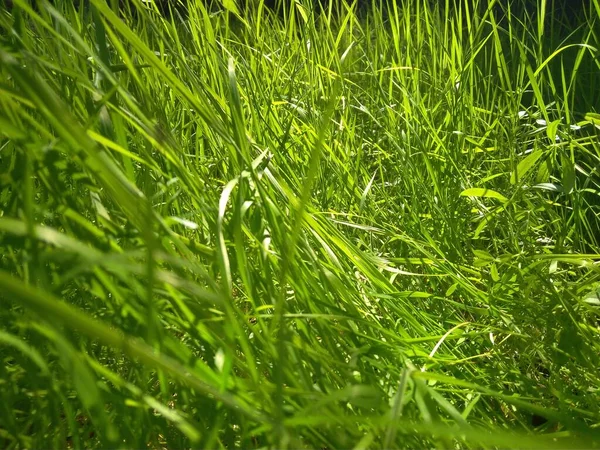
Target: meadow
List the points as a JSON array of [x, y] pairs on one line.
[[344, 228]]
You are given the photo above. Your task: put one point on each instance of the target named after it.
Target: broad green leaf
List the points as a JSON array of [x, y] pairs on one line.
[[552, 130], [525, 166], [230, 5], [451, 290], [301, 10], [483, 192], [549, 187], [543, 173], [568, 174], [483, 258], [594, 118]]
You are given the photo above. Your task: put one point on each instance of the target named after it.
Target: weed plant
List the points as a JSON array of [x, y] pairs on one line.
[[335, 228]]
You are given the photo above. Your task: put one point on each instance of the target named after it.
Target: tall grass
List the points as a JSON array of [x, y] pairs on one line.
[[343, 228]]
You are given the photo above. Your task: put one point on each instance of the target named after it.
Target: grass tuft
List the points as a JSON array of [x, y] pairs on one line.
[[340, 227]]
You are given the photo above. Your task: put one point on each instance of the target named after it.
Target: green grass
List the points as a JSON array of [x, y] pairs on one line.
[[355, 229]]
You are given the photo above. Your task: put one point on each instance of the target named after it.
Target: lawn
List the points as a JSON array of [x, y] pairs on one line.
[[234, 227]]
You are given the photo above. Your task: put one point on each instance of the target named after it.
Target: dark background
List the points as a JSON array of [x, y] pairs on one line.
[[568, 10]]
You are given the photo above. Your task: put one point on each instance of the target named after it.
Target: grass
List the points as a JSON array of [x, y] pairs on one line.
[[371, 228]]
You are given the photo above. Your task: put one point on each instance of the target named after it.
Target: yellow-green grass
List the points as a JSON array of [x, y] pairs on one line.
[[334, 229]]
